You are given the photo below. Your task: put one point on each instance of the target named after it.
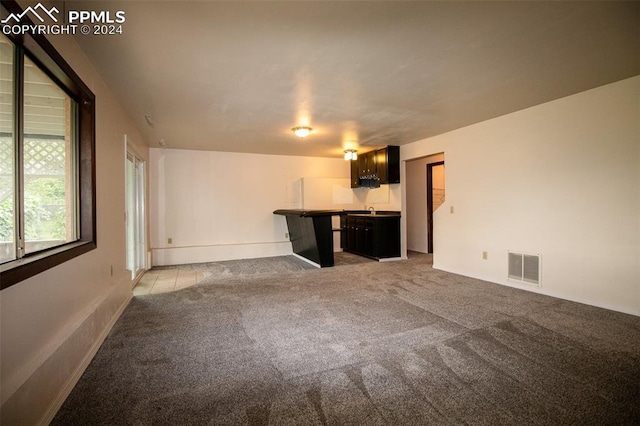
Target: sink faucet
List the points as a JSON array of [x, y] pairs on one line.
[[372, 210]]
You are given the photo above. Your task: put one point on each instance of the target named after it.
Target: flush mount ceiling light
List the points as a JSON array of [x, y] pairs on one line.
[[149, 120], [302, 132], [350, 154]]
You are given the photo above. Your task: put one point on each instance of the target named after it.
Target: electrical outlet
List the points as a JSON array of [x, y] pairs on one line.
[[485, 255], [169, 240], [286, 235], [451, 209]]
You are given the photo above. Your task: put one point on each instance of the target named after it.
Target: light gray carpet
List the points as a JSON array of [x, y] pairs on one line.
[[262, 266], [363, 344], [245, 267]]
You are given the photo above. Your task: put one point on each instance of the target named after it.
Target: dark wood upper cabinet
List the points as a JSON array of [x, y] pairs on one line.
[[362, 166], [355, 177], [376, 167], [367, 165], [388, 164], [371, 163]]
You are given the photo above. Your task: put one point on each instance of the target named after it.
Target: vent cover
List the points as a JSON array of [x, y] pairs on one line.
[[524, 267]]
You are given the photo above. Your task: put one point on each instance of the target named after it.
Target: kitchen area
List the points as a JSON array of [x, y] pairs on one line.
[[316, 232]]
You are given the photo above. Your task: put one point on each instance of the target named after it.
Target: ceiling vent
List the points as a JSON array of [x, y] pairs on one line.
[[524, 268]]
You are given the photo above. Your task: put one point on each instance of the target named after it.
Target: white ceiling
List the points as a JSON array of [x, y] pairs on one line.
[[237, 76]]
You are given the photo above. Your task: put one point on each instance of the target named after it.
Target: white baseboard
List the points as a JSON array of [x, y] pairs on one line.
[[307, 260], [539, 290], [216, 253], [389, 259], [77, 374]]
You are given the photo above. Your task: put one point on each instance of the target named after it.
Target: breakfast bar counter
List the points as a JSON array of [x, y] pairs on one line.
[[311, 234], [366, 233]]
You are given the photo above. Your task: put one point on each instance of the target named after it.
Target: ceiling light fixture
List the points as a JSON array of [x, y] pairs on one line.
[[302, 132], [350, 154]]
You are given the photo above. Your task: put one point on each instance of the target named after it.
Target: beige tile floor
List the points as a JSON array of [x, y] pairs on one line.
[[166, 280]]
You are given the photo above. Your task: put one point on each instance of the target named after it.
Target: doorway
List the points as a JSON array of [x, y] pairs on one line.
[[435, 196], [135, 214]]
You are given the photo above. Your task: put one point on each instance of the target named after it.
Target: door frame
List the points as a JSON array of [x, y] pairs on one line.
[[136, 215], [430, 204]]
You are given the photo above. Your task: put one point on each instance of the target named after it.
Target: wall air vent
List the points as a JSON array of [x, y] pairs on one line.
[[524, 267]]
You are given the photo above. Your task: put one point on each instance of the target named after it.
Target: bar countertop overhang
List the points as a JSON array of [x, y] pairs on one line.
[[309, 213], [337, 212]]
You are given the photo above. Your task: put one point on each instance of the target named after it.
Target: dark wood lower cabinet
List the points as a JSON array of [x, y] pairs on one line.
[[376, 236]]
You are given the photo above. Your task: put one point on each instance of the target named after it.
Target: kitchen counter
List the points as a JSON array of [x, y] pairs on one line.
[[379, 214], [336, 212], [309, 213], [311, 231]]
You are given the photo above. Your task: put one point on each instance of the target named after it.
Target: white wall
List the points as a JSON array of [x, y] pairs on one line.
[[416, 202], [52, 323], [327, 193], [219, 205], [560, 179], [387, 197]]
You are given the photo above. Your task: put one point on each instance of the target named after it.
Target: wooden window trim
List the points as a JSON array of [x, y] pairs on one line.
[[49, 60]]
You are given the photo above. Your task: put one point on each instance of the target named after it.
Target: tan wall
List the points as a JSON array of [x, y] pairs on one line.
[[52, 323], [439, 194]]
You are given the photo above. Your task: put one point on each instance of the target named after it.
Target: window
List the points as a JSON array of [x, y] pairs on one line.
[[7, 153], [47, 161]]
